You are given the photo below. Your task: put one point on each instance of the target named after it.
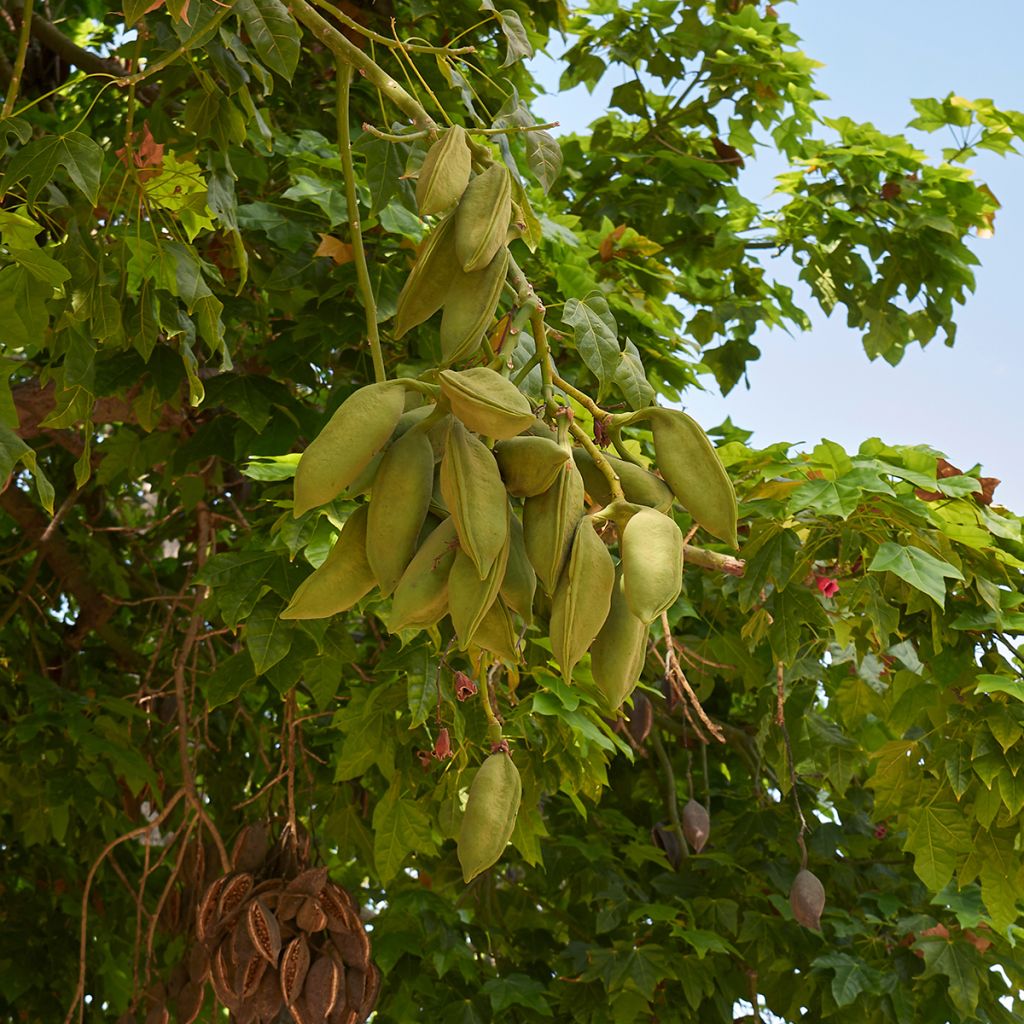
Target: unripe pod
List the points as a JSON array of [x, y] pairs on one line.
[[582, 597], [638, 485], [475, 496], [481, 220], [549, 523], [444, 173], [696, 825], [426, 287], [529, 465], [353, 435], [421, 597], [807, 898], [344, 578], [652, 563], [469, 307], [486, 402], [398, 507], [496, 633], [520, 582], [617, 655], [470, 597], [490, 814]]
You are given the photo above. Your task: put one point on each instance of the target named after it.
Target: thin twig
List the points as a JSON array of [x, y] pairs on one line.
[[713, 560], [606, 468], [780, 720], [19, 61], [344, 76], [79, 996], [674, 672]]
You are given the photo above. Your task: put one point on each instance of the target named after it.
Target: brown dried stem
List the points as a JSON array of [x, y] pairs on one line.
[[671, 798], [780, 721], [676, 678]]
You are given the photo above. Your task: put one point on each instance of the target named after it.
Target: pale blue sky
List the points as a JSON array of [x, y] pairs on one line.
[[967, 401]]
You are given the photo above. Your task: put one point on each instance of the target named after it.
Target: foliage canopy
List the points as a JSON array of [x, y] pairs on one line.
[[183, 307]]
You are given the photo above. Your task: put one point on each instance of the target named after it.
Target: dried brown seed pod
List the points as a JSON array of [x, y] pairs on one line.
[[198, 964], [807, 898], [324, 985], [639, 719], [251, 847], [190, 1002], [309, 883], [242, 947], [696, 825], [353, 946], [355, 987], [338, 906], [264, 931], [208, 914], [249, 975], [369, 1000], [158, 1015], [234, 895], [178, 979], [266, 1001], [667, 840], [294, 965], [311, 917], [289, 905], [222, 975]]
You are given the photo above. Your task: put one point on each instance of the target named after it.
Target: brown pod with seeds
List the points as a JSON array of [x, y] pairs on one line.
[[264, 931], [322, 988], [807, 898], [696, 825], [251, 848], [208, 915], [309, 882], [158, 1015], [233, 895], [294, 965], [311, 917]]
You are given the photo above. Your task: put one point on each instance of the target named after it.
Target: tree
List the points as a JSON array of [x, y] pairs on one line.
[[209, 268]]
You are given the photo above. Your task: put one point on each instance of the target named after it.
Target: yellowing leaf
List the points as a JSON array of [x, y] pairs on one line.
[[335, 248]]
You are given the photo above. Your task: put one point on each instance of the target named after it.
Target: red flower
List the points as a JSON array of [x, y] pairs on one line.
[[443, 746], [827, 586], [465, 687]]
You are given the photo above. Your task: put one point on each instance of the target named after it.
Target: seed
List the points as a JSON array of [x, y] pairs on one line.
[[807, 898]]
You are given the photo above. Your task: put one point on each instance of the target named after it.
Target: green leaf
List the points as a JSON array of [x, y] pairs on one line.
[[936, 833], [400, 827], [631, 379], [543, 157], [595, 335], [78, 154], [274, 34], [23, 315], [14, 450], [267, 636], [517, 42], [922, 571], [1000, 684], [956, 962], [230, 678], [240, 578]]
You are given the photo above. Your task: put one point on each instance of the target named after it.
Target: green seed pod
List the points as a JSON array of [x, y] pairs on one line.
[[496, 633], [469, 597], [549, 523], [638, 485], [617, 655], [351, 438], [652, 563], [520, 582], [487, 402], [344, 578], [482, 217], [807, 898], [426, 288], [469, 307], [529, 465], [444, 174], [490, 814], [582, 598], [472, 489], [421, 597], [696, 825], [398, 507], [691, 467]]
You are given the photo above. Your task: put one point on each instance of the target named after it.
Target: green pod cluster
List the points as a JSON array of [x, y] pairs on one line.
[[341, 451], [549, 523], [638, 485], [344, 578], [529, 465], [582, 598], [617, 655], [421, 597], [490, 816], [475, 496], [444, 173], [652, 563], [482, 217], [398, 507], [496, 632], [469, 307], [486, 402]]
